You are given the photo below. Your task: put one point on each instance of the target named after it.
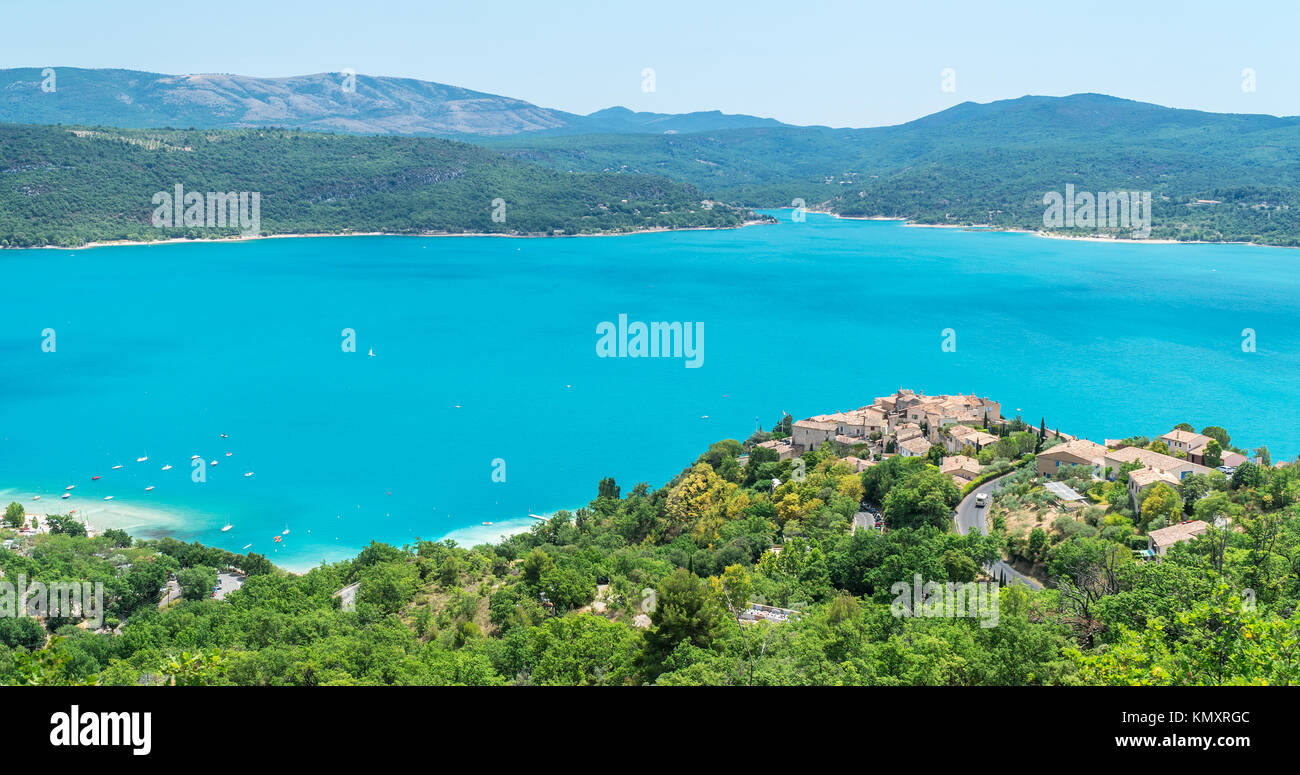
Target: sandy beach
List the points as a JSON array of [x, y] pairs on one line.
[[181, 240], [1038, 233], [99, 515], [152, 522]]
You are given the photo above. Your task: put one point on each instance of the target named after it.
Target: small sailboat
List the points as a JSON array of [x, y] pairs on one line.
[[69, 487], [286, 532], [246, 546], [142, 459], [228, 454], [214, 462], [119, 465], [225, 436], [487, 523], [147, 489], [93, 478], [67, 495], [372, 352], [226, 529], [250, 473], [36, 498], [108, 497], [167, 467], [194, 457]]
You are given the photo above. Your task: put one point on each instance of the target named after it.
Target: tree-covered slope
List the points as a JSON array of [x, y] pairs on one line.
[[651, 587], [68, 186], [990, 163]]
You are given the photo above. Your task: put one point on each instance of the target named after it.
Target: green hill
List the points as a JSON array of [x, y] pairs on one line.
[[989, 163], [68, 186], [1216, 177]]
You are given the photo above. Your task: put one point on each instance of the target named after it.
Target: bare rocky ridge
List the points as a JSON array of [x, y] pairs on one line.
[[319, 102]]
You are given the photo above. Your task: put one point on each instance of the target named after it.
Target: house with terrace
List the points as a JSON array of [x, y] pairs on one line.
[[1190, 444], [1144, 478], [1166, 537], [1079, 452], [1117, 458], [958, 437], [916, 446], [962, 469], [811, 434]]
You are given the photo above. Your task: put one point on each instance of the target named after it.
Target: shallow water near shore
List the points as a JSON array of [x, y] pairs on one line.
[[485, 363]]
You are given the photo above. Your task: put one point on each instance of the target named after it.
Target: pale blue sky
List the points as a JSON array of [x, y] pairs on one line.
[[836, 63]]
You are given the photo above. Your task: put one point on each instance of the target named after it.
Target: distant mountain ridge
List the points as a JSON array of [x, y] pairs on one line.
[[324, 102], [1211, 176]]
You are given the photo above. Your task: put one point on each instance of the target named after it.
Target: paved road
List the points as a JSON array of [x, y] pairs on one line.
[[227, 583], [969, 517], [865, 520], [172, 593]]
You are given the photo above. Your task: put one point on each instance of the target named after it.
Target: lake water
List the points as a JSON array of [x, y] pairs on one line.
[[485, 350]]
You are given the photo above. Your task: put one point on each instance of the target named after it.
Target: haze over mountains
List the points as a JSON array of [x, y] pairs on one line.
[[325, 102]]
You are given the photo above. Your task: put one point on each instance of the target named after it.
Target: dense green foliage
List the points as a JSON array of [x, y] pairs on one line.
[[986, 164], [1212, 176], [64, 186], [646, 587]]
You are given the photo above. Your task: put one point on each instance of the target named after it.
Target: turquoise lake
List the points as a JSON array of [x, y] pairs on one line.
[[485, 350]]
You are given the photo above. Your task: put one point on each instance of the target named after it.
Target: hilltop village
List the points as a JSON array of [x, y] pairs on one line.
[[969, 440]]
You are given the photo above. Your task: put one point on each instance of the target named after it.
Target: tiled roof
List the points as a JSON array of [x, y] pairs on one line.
[[1144, 477], [1183, 531], [1083, 448]]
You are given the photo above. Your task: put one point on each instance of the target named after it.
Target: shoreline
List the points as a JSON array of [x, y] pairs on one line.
[[1043, 234], [99, 515], [907, 222], [185, 523], [317, 235]]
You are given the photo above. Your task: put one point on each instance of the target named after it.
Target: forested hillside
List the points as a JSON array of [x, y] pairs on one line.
[[68, 186], [1216, 177], [990, 163], [649, 587]]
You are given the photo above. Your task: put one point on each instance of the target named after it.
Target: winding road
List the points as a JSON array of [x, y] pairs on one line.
[[969, 517]]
